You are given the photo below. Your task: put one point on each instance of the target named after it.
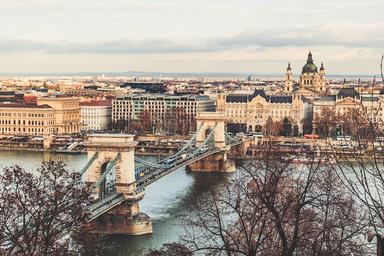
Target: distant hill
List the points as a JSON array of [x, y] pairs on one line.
[[234, 75]]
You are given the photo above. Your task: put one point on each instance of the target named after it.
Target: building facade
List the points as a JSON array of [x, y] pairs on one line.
[[96, 115], [67, 113], [346, 100], [24, 119], [129, 107], [252, 111]]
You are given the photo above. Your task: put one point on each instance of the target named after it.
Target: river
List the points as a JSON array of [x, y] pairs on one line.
[[164, 200]]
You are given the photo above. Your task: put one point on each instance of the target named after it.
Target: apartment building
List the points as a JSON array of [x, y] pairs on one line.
[[129, 107], [349, 98], [96, 115], [26, 119], [67, 113]]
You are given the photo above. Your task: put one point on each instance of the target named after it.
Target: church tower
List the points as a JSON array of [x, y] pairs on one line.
[[288, 88], [322, 78], [312, 81]]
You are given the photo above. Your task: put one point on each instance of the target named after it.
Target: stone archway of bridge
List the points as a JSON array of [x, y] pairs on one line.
[[104, 186], [108, 147], [211, 122], [207, 132]]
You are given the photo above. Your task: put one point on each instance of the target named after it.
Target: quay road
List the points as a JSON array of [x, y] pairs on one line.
[[150, 144]]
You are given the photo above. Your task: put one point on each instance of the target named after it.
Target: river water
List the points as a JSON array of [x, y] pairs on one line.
[[164, 200]]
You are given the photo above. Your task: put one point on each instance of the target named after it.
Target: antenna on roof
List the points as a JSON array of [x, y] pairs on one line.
[[381, 68]]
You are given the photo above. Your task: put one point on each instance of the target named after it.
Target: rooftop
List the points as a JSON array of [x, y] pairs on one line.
[[244, 98], [20, 105], [147, 96], [97, 103], [348, 92]]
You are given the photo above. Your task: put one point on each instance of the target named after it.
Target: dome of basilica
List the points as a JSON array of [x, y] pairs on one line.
[[309, 67]]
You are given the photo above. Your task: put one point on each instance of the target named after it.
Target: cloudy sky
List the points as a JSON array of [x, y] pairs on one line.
[[253, 36]]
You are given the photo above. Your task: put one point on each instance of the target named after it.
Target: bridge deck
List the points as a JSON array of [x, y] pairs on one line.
[[102, 206], [157, 174]]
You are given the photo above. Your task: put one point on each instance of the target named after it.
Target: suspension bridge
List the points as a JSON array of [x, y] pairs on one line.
[[118, 178]]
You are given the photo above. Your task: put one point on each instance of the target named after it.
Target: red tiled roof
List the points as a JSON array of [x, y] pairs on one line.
[[30, 98], [97, 103]]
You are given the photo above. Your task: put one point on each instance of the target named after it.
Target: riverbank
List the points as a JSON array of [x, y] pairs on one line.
[[15, 149], [60, 151]]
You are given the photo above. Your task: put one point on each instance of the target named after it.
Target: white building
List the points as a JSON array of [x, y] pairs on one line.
[[96, 115], [129, 107]]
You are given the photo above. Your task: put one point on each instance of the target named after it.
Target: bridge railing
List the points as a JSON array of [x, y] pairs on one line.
[[186, 146], [103, 205], [156, 174], [146, 168]]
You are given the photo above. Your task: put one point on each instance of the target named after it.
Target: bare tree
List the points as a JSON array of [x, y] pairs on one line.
[[146, 121], [178, 121], [361, 165], [325, 123], [273, 128], [277, 207], [41, 211]]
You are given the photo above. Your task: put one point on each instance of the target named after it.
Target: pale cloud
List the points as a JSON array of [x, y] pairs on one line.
[[352, 35], [337, 60], [195, 35]]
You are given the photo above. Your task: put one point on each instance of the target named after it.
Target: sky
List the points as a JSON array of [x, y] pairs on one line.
[[247, 36]]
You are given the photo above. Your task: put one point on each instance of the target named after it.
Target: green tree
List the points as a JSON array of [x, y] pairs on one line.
[[287, 127]]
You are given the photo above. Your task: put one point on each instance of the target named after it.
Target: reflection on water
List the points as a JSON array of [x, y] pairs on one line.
[[164, 200], [32, 160]]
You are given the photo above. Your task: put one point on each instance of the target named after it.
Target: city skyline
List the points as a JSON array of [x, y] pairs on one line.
[[256, 37]]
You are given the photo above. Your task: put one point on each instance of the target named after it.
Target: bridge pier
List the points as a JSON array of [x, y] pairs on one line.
[[215, 163], [212, 122], [123, 219]]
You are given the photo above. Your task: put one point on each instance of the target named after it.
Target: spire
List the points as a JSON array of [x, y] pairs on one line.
[[310, 60], [322, 66], [289, 66]]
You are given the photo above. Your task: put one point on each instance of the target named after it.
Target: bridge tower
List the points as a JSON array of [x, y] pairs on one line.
[[215, 122], [211, 121], [117, 210]]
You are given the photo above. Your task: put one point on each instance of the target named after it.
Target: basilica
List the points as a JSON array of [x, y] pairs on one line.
[[251, 112], [311, 83]]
